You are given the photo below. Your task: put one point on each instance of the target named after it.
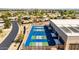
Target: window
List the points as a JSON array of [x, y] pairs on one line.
[[74, 47]]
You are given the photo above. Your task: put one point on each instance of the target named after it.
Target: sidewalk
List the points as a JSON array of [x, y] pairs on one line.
[[28, 28]]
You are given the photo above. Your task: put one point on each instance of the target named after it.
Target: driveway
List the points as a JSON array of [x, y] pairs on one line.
[[10, 38]]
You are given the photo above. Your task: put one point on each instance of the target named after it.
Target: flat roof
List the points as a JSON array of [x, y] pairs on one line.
[[69, 26]]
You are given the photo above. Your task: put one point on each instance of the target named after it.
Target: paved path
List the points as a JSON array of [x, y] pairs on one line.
[[9, 39]]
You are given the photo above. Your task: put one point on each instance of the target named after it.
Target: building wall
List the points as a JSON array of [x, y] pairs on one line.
[[72, 40], [60, 32], [67, 39]]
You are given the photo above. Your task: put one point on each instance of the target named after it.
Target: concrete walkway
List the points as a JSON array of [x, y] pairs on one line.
[[10, 38]]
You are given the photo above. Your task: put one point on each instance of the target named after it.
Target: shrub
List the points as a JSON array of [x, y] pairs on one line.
[[73, 17], [22, 36], [7, 23], [17, 41], [0, 30], [19, 20]]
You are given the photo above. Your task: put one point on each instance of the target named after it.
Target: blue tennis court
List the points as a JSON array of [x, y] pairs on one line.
[[41, 36]]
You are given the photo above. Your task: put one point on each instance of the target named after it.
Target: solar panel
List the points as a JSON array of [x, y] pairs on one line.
[[74, 30], [65, 29]]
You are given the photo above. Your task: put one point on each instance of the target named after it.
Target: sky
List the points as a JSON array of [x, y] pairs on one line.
[[55, 4]]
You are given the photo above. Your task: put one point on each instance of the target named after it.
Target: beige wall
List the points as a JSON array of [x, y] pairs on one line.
[[71, 40]]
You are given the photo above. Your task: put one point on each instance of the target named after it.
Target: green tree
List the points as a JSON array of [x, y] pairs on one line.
[[7, 23], [19, 20], [8, 14], [0, 30], [68, 13]]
